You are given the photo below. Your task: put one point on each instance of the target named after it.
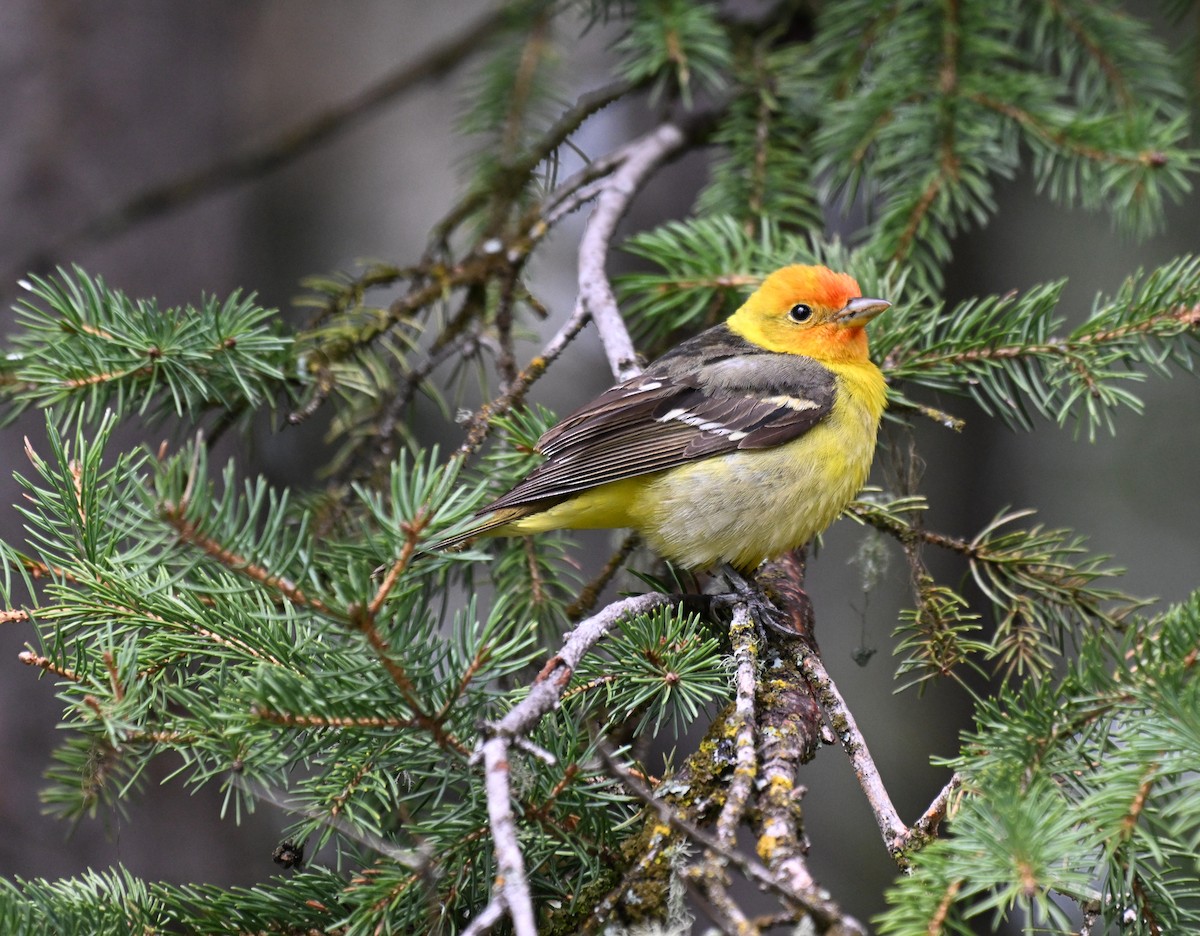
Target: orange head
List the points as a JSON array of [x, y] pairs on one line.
[[808, 310]]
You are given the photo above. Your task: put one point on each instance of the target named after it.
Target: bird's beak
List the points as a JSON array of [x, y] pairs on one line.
[[861, 310]]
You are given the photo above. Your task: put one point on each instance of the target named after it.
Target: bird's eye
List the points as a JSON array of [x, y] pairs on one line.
[[800, 312]]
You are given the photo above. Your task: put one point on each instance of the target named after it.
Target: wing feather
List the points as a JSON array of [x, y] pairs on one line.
[[712, 395]]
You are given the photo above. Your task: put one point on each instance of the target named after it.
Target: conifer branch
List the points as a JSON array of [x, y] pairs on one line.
[[189, 532], [1064, 141]]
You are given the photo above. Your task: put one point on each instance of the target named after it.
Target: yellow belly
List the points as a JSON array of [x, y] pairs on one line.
[[743, 507]]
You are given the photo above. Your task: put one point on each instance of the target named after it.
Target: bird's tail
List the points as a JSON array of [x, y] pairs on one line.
[[492, 525]]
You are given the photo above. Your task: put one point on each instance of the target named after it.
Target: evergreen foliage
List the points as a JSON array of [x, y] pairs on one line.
[[304, 648]]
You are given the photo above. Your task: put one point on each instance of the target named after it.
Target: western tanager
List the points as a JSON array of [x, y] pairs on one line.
[[735, 446]]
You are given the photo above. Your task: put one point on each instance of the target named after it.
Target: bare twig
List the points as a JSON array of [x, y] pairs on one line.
[[926, 827], [518, 167], [29, 658], [511, 891], [596, 297], [485, 919], [893, 830], [511, 883]]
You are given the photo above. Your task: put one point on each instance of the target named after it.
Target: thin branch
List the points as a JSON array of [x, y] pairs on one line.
[[189, 532], [511, 884], [511, 891], [925, 829], [29, 658], [520, 166], [485, 919], [1060, 139], [1096, 52], [293, 720], [893, 830], [412, 533], [613, 181], [743, 638], [630, 167], [596, 297]]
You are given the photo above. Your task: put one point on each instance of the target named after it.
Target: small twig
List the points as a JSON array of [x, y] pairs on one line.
[[294, 720], [892, 829], [362, 621], [29, 658], [925, 828], [485, 919], [710, 889], [481, 422], [412, 533], [520, 166], [511, 890]]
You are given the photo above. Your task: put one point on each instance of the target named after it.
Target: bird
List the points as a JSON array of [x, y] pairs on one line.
[[734, 447]]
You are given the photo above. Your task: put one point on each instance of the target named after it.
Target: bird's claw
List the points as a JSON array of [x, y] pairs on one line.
[[746, 591]]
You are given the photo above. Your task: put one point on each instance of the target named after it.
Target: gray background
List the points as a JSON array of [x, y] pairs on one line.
[[99, 100]]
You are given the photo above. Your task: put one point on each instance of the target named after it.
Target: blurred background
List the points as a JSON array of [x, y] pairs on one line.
[[100, 101]]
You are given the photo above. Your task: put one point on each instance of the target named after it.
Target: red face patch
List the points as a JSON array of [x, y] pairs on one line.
[[816, 285]]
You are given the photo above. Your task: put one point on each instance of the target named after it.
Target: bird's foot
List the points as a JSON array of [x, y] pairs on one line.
[[762, 609]]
